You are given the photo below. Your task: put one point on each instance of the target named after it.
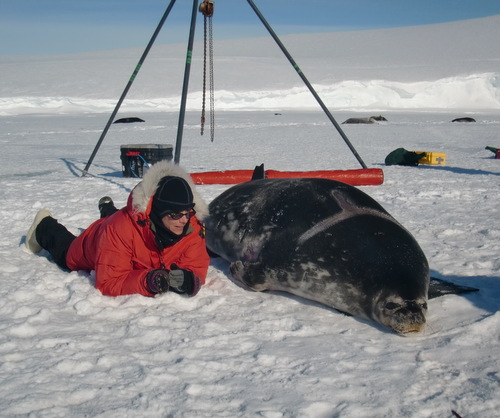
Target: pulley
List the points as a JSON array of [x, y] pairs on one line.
[[207, 8]]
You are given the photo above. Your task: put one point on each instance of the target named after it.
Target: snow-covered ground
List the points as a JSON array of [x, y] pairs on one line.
[[66, 350]]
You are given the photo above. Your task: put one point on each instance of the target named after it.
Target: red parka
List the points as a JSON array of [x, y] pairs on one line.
[[122, 248]]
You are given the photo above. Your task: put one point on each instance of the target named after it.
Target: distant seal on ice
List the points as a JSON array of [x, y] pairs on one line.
[[371, 119], [325, 241], [129, 120], [466, 119]]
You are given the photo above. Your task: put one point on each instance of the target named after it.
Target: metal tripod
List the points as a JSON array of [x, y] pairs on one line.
[[187, 70]]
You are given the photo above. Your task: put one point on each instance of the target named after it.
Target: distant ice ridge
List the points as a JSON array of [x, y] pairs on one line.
[[472, 92]]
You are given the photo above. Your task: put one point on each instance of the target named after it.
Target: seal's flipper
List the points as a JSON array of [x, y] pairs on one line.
[[258, 172], [439, 287]]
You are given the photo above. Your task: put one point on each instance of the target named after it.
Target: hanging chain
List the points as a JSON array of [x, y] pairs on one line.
[[204, 88], [207, 8], [212, 98]]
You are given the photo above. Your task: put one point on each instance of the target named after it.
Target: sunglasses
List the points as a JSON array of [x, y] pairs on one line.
[[178, 215]]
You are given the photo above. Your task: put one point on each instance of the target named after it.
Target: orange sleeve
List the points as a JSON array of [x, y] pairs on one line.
[[118, 268], [195, 258]]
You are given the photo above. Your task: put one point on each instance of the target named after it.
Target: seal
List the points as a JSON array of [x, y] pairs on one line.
[[325, 241], [129, 120], [371, 119], [466, 119]]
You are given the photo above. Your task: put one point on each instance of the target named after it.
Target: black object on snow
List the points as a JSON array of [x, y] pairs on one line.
[[467, 119], [128, 120], [400, 156]]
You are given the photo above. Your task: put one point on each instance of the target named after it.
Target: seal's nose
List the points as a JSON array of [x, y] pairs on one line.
[[414, 307]]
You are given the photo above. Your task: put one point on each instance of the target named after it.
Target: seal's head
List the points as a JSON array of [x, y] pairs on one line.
[[402, 315]]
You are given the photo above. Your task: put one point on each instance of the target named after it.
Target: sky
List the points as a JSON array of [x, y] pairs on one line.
[[73, 26]]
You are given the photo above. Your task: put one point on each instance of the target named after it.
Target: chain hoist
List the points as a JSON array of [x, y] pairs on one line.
[[207, 9]]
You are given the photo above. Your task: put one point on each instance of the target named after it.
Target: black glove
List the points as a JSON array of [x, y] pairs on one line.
[[183, 281], [157, 281]]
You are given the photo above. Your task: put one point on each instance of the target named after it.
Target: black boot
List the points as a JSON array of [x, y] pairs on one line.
[[31, 242], [55, 238], [106, 206]]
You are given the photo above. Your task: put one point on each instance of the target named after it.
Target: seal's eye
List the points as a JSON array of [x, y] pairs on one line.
[[392, 306], [424, 305]]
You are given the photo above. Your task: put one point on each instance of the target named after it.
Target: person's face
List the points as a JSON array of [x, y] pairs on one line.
[[175, 222]]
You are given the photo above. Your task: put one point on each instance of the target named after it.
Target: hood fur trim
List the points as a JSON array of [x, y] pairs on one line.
[[144, 191]]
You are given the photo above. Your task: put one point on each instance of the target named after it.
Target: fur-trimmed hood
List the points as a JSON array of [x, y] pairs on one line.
[[145, 190]]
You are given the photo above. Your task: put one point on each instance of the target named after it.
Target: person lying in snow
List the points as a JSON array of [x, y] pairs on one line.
[[153, 245]]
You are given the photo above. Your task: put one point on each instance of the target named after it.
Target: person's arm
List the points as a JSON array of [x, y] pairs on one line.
[[194, 257], [117, 269]]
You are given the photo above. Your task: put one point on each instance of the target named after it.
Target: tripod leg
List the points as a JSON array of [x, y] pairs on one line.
[[306, 81], [127, 87], [187, 69]]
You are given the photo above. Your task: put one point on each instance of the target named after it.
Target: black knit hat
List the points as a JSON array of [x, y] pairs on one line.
[[173, 195]]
